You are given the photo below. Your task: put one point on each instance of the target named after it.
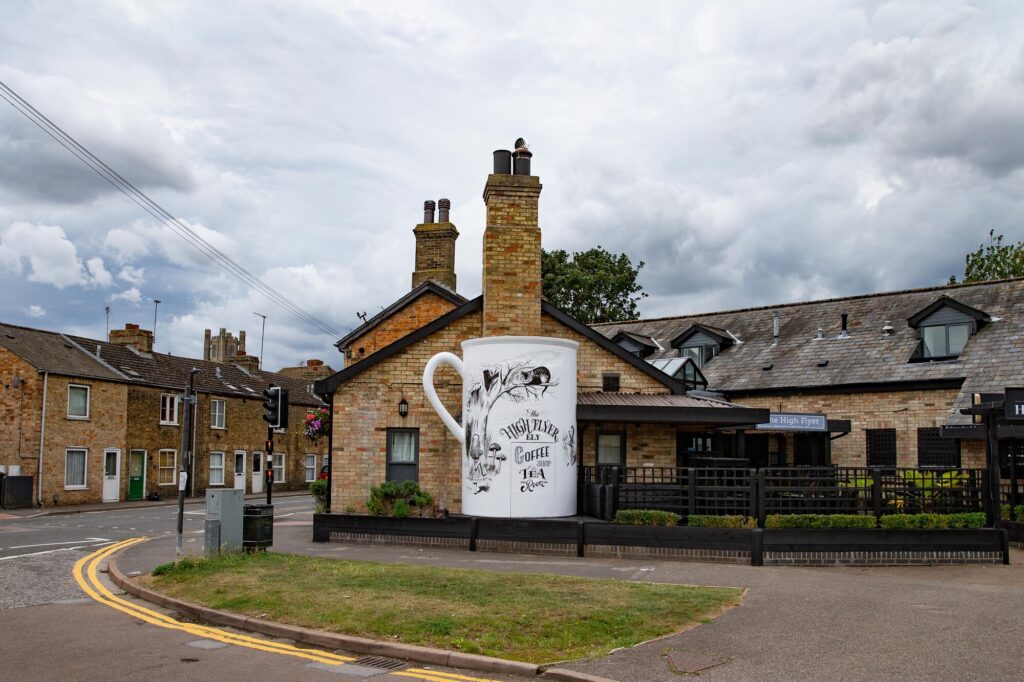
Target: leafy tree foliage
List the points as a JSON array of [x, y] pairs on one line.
[[995, 261], [592, 286]]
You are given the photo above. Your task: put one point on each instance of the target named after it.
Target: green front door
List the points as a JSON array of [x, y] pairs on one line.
[[136, 474]]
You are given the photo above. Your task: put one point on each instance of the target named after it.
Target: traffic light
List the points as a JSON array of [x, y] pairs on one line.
[[276, 406]]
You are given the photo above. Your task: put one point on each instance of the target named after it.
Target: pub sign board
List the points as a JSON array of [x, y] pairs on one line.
[[1015, 404], [794, 421]]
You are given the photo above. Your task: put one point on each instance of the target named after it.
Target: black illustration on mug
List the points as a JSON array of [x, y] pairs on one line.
[[516, 382]]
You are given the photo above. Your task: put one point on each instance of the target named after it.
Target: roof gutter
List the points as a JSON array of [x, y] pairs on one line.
[[42, 441]]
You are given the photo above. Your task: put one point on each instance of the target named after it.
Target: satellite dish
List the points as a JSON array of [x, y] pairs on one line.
[[522, 143]]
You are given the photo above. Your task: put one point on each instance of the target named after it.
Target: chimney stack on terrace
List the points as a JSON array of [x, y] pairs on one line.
[[511, 259], [435, 246], [131, 335]]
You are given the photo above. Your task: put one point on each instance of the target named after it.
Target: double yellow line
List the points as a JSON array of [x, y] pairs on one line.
[[86, 575]]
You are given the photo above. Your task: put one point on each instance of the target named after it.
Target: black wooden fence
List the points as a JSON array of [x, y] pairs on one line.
[[757, 493]]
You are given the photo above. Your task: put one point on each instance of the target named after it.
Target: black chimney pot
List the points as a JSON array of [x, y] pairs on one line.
[[443, 206], [428, 212], [502, 162], [522, 158], [845, 316]]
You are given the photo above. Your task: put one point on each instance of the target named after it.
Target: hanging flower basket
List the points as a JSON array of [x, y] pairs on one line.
[[317, 424]]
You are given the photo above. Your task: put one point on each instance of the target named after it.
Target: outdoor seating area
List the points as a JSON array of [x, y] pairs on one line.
[[758, 493]]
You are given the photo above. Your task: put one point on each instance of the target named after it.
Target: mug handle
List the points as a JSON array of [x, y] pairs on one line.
[[428, 387]]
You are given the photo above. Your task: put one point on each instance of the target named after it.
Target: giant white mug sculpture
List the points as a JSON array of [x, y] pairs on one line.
[[518, 430]]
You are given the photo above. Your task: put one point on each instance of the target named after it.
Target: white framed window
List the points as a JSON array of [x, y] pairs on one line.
[[278, 467], [169, 408], [167, 467], [216, 468], [218, 413], [311, 471], [75, 460], [78, 401]]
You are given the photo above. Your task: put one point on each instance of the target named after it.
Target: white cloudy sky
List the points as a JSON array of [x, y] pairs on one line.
[[749, 153]]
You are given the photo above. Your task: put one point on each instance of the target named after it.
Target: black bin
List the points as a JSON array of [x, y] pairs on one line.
[[257, 527], [16, 492]]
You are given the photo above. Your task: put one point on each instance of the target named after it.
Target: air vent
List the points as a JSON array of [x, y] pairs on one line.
[[822, 363], [767, 366]]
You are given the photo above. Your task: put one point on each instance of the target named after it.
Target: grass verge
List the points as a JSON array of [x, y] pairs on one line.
[[537, 618]]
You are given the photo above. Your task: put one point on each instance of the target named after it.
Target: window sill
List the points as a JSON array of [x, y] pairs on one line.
[[218, 428], [167, 485], [169, 424], [76, 487], [76, 419]]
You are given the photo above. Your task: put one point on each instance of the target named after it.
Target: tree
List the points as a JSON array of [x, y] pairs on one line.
[[994, 261], [592, 286]]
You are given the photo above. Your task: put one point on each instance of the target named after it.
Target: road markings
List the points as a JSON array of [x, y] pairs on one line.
[[85, 574], [51, 551], [69, 542]]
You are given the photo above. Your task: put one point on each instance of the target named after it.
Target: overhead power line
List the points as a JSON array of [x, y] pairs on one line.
[[159, 212]]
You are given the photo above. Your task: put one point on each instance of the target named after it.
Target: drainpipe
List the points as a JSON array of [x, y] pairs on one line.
[[42, 441]]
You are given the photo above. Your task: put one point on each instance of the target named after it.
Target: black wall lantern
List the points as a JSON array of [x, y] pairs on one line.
[[403, 407]]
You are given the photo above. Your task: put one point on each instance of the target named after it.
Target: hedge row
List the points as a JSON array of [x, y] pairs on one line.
[[652, 517], [819, 521], [700, 521], [646, 517], [970, 520]]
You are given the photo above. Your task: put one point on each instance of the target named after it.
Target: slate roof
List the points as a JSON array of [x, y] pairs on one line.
[[78, 356], [651, 400], [992, 360], [51, 352]]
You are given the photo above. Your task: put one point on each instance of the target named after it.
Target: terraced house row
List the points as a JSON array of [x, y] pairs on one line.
[[101, 421]]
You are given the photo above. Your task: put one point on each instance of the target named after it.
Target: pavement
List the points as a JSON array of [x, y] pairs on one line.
[[795, 623]]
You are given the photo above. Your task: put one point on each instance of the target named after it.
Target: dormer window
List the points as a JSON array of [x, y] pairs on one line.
[[701, 343], [944, 328], [944, 340], [636, 344], [700, 354]]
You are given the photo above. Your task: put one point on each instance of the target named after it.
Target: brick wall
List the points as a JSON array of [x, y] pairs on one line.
[[905, 411], [105, 428], [646, 444], [244, 430], [511, 256], [19, 413], [367, 406], [426, 308]]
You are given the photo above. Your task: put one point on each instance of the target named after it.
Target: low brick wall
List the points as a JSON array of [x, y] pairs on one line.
[[788, 547], [721, 556], [879, 558]]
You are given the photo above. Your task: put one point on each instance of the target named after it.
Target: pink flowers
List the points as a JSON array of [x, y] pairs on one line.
[[318, 421]]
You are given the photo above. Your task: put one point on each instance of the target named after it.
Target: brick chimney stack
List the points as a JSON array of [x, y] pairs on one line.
[[511, 267], [131, 335], [435, 246]]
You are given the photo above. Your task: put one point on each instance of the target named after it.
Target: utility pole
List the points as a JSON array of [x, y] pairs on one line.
[[186, 432], [263, 330]]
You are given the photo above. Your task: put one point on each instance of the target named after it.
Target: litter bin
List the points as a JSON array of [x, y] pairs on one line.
[[257, 527]]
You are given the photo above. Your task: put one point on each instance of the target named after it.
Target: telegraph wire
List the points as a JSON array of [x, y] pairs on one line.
[[156, 210]]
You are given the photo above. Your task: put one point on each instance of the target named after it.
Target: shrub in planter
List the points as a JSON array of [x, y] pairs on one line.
[[318, 489], [1013, 514], [969, 520], [931, 521], [705, 521], [399, 499], [833, 521], [646, 517]]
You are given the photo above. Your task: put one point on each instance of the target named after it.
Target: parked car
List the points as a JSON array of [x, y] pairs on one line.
[[323, 473]]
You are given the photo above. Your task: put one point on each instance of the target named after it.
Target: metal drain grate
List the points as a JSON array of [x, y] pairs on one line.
[[379, 662]]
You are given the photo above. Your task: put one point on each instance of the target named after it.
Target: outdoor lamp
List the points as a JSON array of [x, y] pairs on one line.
[[403, 407]]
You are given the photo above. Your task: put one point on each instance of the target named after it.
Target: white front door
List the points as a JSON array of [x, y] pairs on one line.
[[257, 472], [111, 475], [240, 470]]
